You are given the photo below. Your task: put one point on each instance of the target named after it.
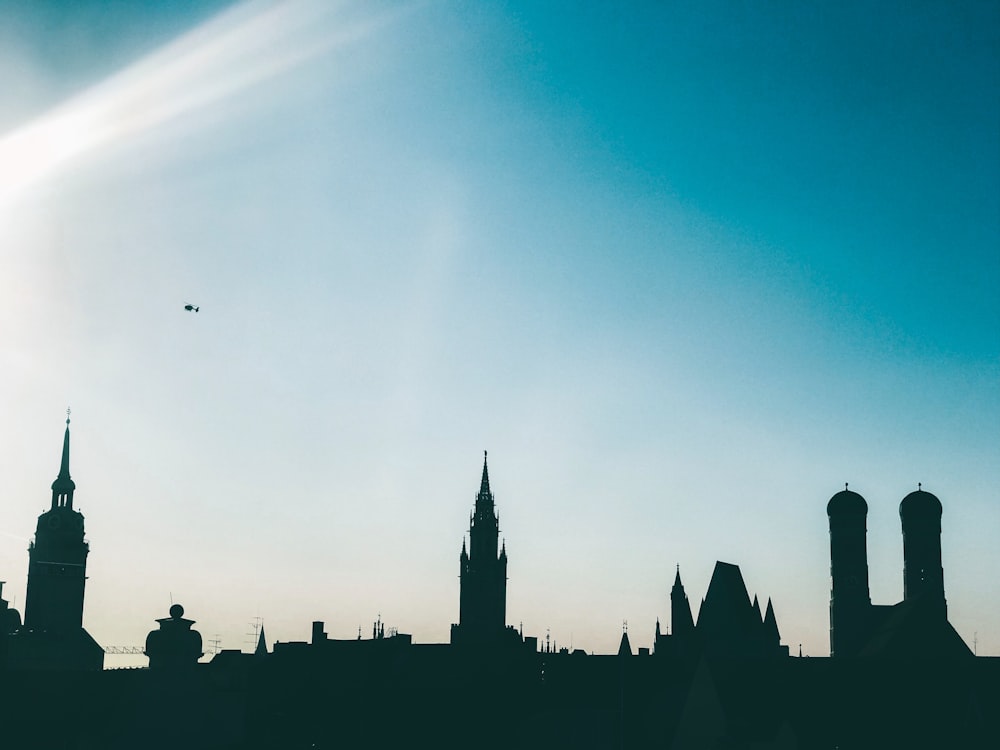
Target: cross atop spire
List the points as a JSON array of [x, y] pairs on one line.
[[63, 486]]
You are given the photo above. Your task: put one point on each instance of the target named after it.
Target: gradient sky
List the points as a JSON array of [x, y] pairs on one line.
[[683, 270]]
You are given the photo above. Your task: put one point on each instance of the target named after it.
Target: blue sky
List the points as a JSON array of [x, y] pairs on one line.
[[683, 271]]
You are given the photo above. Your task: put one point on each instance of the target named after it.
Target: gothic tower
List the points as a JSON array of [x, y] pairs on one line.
[[923, 575], [57, 560], [850, 601], [482, 574], [680, 609]]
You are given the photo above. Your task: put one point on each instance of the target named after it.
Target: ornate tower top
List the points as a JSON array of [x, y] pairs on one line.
[[63, 486], [484, 485]]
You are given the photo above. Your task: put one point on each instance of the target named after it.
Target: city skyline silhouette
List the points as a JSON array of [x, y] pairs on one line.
[[896, 673]]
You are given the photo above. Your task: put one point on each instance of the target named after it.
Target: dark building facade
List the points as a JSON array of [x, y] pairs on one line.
[[52, 635], [917, 626], [729, 624], [174, 645], [57, 559], [482, 575], [850, 601]]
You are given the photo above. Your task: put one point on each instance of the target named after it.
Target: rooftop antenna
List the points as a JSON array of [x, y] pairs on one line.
[[975, 643], [256, 625]]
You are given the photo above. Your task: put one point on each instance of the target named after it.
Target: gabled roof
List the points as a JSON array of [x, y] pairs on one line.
[[912, 630]]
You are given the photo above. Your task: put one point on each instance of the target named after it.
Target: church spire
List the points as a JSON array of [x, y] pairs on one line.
[[261, 649], [681, 621], [484, 485], [63, 486], [771, 626]]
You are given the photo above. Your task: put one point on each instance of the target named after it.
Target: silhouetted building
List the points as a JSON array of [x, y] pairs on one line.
[[916, 627], [57, 567], [923, 574], [482, 575], [10, 618], [850, 601], [52, 635], [718, 681], [729, 625], [174, 645]]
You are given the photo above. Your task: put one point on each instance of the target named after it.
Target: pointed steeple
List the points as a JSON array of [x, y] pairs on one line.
[[756, 608], [771, 626], [63, 486], [482, 573], [681, 620], [484, 485], [261, 649], [625, 648]]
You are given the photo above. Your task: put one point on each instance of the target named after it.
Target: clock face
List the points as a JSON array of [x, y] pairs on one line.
[[54, 522]]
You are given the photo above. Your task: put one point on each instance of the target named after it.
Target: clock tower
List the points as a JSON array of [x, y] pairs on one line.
[[57, 567], [482, 575]]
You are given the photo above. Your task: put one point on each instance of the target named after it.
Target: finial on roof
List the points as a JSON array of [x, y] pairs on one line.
[[845, 486], [920, 486], [63, 486]]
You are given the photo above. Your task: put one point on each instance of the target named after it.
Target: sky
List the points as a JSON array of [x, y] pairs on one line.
[[682, 269]]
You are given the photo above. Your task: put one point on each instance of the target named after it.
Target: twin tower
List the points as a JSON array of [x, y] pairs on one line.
[[854, 620]]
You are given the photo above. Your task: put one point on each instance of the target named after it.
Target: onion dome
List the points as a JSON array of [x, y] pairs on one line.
[[847, 502], [920, 503]]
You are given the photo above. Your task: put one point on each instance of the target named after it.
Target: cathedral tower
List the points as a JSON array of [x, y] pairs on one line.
[[57, 560], [680, 609], [482, 574], [923, 575], [850, 601]]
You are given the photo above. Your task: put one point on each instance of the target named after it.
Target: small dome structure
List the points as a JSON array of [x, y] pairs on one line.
[[174, 645], [846, 502], [920, 504]]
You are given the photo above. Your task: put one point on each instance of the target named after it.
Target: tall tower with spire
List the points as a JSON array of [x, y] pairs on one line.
[[57, 567], [482, 574], [680, 609]]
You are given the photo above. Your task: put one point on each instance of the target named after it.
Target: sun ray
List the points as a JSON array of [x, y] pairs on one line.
[[227, 55]]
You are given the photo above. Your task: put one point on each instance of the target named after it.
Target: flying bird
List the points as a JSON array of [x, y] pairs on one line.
[[191, 308]]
